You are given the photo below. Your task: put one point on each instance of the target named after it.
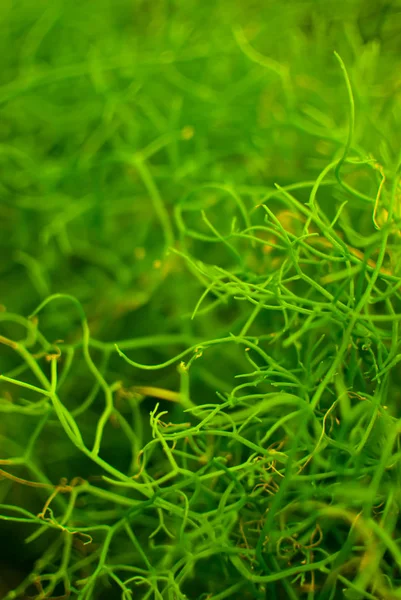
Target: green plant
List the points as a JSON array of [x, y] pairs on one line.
[[203, 401]]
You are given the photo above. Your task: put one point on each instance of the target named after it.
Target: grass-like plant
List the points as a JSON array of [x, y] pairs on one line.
[[199, 336]]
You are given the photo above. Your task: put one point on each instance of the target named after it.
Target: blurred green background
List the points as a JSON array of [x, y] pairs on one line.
[[86, 85]]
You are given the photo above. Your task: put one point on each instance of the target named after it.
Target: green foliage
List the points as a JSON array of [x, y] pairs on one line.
[[200, 226]]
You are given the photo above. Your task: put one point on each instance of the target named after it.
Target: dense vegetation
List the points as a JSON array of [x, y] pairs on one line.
[[200, 223]]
